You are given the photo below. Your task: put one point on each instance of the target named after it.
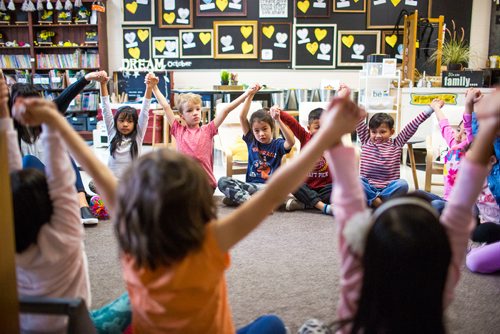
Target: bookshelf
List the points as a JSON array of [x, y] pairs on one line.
[[39, 61]]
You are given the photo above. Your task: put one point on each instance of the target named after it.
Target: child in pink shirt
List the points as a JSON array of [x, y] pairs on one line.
[[193, 139]]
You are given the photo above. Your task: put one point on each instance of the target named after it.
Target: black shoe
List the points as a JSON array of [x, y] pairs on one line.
[[87, 218], [92, 187], [229, 202]]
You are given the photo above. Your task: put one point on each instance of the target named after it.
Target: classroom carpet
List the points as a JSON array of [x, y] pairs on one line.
[[289, 266]]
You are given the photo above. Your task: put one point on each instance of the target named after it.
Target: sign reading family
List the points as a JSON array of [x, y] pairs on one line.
[[157, 64]]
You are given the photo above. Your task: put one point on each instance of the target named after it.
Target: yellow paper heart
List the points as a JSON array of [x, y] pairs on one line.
[[205, 37], [303, 6], [312, 47], [395, 2], [246, 47], [356, 0], [142, 34], [221, 4], [169, 17], [135, 52], [268, 31], [391, 40], [246, 31], [160, 45], [320, 34], [348, 40], [131, 7]]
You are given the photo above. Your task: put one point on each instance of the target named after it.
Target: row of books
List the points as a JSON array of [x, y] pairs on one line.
[[58, 79], [74, 60], [15, 61], [83, 102]]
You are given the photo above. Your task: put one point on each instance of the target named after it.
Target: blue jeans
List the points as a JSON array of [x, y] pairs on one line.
[[30, 161], [394, 188], [266, 324], [437, 202], [311, 197]]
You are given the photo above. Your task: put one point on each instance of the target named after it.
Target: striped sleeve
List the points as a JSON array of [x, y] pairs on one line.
[[362, 131], [410, 129]]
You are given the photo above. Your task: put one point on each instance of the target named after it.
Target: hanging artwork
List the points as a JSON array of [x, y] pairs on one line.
[[221, 7], [175, 13], [356, 45], [275, 42], [138, 12], [196, 43], [235, 39], [314, 45]]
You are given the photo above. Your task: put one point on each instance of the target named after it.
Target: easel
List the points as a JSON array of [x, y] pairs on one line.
[[9, 304], [410, 44]]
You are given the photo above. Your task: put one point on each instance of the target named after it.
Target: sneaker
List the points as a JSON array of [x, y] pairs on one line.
[[87, 218], [98, 208], [293, 204], [92, 187], [229, 202]]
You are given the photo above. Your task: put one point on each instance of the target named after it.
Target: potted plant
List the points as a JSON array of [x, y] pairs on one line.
[[455, 51], [224, 77]]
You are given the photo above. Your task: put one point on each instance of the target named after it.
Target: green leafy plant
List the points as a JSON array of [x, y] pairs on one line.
[[224, 77], [455, 50]]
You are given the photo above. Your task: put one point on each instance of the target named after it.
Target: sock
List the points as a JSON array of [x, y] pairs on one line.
[[327, 209]]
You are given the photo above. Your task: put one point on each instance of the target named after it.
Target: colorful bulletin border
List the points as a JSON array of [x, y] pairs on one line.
[[311, 8], [242, 33], [138, 12], [314, 45], [275, 39], [349, 6], [221, 7], [175, 13], [347, 41], [203, 36], [166, 47]]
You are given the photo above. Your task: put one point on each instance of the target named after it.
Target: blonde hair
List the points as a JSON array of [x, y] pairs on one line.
[[185, 99]]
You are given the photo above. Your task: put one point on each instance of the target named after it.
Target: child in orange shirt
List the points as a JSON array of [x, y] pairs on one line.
[[174, 250]]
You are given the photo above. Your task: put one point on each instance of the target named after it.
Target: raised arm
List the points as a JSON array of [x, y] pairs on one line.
[[299, 132], [107, 114], [164, 104], [287, 133], [412, 127], [457, 216], [34, 112], [221, 116], [64, 99], [335, 122], [472, 96], [151, 81], [245, 125], [447, 131], [7, 128]]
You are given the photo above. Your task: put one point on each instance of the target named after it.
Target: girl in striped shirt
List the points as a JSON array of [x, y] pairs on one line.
[[380, 155]]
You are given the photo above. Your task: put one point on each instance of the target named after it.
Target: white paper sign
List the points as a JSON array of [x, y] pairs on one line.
[[273, 8]]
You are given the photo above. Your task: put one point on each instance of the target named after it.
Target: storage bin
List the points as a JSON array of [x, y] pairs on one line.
[[79, 123], [91, 123]]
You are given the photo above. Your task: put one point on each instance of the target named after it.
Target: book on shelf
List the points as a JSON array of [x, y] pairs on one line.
[[23, 77], [57, 79], [15, 61], [76, 104], [73, 75], [41, 81]]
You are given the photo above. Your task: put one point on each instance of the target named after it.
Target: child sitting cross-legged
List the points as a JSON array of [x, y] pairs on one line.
[[173, 248], [380, 155], [264, 153]]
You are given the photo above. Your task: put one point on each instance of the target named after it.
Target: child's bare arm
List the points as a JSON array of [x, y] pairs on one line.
[[36, 113], [247, 96], [102, 78], [165, 105], [245, 125], [7, 129], [151, 81], [337, 121], [436, 105], [287, 132]]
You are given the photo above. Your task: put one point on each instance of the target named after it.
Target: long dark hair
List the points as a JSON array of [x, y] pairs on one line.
[[130, 114], [262, 115], [405, 264], [32, 205], [25, 133], [164, 202]]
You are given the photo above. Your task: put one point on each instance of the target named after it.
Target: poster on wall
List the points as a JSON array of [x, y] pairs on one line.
[[312, 8], [166, 47], [137, 43], [349, 6], [275, 43], [196, 43], [356, 45], [138, 12], [175, 13], [221, 7], [235, 39], [273, 9], [314, 45]]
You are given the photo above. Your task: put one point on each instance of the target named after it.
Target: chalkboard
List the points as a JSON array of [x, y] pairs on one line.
[[235, 39], [196, 43], [349, 6], [138, 12], [313, 8], [221, 7], [132, 83], [392, 44], [314, 46], [275, 41], [175, 13], [137, 43], [355, 45], [166, 47], [385, 13]]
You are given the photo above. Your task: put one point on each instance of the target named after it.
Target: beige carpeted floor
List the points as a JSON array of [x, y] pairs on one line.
[[289, 266]]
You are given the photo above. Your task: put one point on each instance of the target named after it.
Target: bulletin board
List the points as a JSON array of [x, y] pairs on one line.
[[392, 44], [265, 12], [175, 13], [137, 43], [312, 8], [133, 83], [356, 45], [138, 12], [235, 39], [314, 46], [275, 43]]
